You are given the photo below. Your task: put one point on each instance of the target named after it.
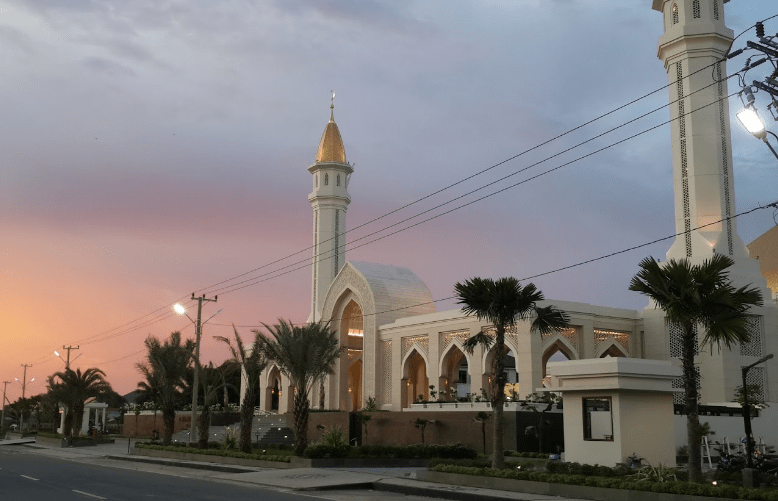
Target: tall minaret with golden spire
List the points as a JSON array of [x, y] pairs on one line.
[[329, 201]]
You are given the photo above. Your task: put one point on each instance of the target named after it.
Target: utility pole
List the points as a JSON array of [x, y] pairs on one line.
[[196, 382], [24, 388], [2, 425], [67, 363]]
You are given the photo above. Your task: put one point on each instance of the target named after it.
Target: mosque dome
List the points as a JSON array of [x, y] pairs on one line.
[[331, 145]]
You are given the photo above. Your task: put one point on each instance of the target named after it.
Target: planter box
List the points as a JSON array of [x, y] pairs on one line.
[[299, 462], [51, 442], [547, 489], [205, 458]]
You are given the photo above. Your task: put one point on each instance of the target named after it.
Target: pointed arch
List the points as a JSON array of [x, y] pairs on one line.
[[610, 348], [273, 389], [415, 377], [557, 345], [449, 366]]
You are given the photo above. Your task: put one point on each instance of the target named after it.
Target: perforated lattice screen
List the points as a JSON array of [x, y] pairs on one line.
[[571, 334], [603, 335], [675, 14], [422, 341], [754, 347], [386, 371], [755, 377], [676, 341], [716, 10], [680, 398], [448, 337], [696, 9], [723, 115], [684, 160]]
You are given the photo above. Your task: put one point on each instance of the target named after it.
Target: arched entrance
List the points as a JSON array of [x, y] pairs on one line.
[[415, 379], [272, 391], [509, 369], [352, 336], [454, 374], [557, 352]]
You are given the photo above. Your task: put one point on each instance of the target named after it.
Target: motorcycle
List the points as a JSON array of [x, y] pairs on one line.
[[730, 463]]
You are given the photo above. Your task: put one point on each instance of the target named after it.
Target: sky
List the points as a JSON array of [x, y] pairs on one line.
[[155, 148]]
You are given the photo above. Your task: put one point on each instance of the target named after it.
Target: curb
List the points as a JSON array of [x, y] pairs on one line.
[[453, 492], [181, 464]]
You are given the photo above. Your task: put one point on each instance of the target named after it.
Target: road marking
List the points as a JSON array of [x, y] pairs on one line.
[[90, 495], [25, 476]]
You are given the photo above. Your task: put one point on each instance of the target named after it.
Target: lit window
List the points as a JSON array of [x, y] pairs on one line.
[[598, 421]]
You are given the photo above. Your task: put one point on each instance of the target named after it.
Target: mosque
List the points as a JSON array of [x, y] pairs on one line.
[[398, 345]]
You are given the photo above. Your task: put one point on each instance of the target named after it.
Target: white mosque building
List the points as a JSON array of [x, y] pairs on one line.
[[398, 344]]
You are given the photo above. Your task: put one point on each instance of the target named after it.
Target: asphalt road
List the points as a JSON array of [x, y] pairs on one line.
[[25, 476], [28, 477]]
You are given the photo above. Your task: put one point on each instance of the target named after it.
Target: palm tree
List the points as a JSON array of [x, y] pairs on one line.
[[165, 369], [209, 381], [697, 294], [502, 302], [252, 362], [74, 389], [305, 355]]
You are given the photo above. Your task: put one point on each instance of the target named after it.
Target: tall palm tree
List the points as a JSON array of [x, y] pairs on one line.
[[502, 302], [697, 294], [165, 369], [210, 378], [74, 388], [304, 354], [252, 362]]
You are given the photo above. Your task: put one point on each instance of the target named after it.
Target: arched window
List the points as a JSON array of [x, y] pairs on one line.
[[316, 180], [696, 9], [326, 179], [675, 13], [338, 180], [716, 10]]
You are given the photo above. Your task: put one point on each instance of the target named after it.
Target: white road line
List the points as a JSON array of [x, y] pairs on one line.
[[90, 495], [25, 476]]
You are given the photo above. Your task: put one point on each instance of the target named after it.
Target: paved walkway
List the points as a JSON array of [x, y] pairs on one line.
[[400, 480]]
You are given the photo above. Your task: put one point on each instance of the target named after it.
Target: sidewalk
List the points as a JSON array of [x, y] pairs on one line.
[[399, 480]]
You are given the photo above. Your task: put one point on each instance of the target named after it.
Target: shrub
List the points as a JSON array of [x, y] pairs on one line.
[[216, 452]]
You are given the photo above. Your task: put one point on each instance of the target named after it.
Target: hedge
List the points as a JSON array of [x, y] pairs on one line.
[[216, 452], [452, 451], [688, 488]]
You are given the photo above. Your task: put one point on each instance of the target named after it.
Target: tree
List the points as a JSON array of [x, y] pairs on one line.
[[252, 362], [165, 371], [549, 399], [421, 424], [502, 302], [482, 417], [364, 419], [74, 388], [304, 354], [210, 377], [691, 295]]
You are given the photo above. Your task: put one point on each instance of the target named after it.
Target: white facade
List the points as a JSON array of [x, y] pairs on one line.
[[398, 345]]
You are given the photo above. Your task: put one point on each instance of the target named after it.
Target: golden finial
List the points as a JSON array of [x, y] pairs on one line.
[[332, 106]]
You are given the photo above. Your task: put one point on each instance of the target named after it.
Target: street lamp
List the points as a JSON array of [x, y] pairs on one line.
[[752, 122], [747, 410], [180, 310]]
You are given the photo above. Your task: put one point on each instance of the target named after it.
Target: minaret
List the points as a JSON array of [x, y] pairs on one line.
[[329, 201], [695, 38]]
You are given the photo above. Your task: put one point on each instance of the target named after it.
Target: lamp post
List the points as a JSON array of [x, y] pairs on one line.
[[747, 411], [753, 123], [179, 309]]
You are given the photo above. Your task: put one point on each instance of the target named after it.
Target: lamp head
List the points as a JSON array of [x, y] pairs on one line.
[[753, 123], [56, 352], [179, 309]]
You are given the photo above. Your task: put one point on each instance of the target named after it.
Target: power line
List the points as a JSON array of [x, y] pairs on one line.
[[563, 268], [109, 334], [278, 273]]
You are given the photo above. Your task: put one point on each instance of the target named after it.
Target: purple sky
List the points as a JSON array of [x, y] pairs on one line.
[[150, 149]]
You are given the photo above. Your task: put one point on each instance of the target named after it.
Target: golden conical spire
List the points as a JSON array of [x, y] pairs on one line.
[[331, 145]]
